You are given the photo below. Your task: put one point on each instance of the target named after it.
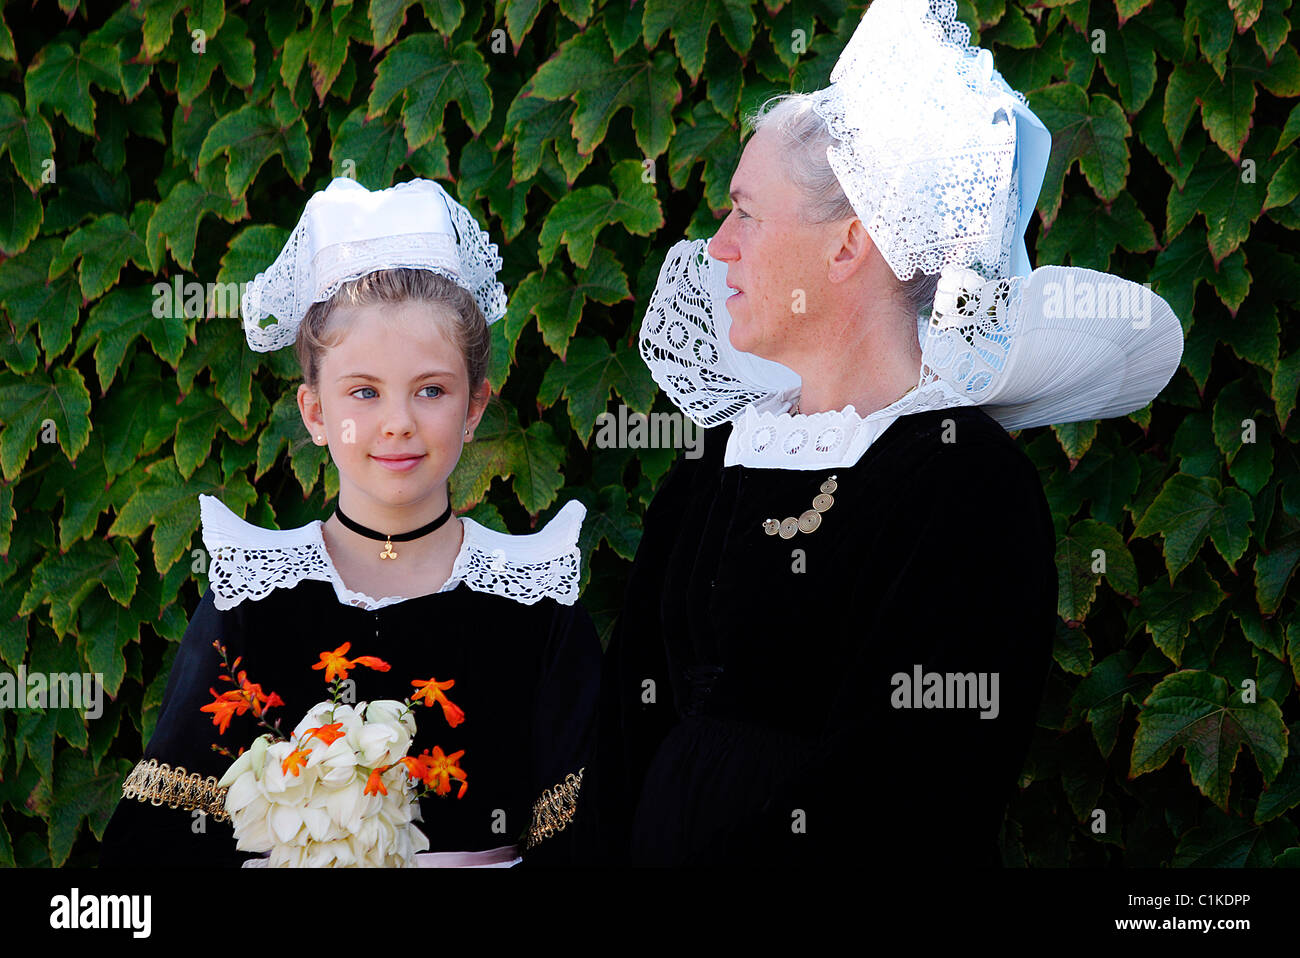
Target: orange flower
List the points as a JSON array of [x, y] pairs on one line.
[[432, 691], [224, 707], [375, 784], [329, 734], [443, 769], [294, 761], [336, 666], [258, 699]]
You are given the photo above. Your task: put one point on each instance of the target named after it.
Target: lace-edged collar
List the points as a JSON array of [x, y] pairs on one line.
[[248, 561], [765, 435]]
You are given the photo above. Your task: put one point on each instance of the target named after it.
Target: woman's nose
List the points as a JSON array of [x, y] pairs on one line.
[[721, 247]]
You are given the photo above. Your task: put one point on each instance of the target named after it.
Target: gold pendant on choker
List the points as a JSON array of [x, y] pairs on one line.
[[388, 552], [809, 520]]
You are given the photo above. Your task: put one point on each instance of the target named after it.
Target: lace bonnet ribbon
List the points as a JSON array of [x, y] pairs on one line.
[[347, 231]]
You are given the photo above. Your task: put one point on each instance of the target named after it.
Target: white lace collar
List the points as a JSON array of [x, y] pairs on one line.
[[248, 561], [765, 435]]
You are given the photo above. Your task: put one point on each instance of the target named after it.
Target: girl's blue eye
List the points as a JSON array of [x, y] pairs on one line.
[[372, 389]]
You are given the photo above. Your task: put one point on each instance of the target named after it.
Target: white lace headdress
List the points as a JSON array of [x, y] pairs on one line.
[[347, 231], [943, 163]]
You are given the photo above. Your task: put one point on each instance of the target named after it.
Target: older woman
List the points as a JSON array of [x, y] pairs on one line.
[[840, 618]]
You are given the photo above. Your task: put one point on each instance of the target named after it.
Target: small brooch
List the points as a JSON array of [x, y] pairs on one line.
[[809, 520]]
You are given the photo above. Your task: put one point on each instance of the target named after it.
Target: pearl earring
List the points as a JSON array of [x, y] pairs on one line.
[[319, 438]]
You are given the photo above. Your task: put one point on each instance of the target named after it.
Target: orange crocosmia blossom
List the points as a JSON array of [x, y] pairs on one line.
[[443, 768], [432, 691], [224, 707], [295, 760], [417, 767], [329, 734], [375, 784], [258, 699], [336, 665]]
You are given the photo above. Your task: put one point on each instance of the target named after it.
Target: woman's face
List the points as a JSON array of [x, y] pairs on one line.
[[778, 263], [394, 403]]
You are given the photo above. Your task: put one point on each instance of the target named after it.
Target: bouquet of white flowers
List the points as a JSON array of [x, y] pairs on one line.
[[323, 797]]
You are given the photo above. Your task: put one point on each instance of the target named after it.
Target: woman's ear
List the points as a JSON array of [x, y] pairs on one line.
[[852, 247], [312, 413], [478, 401]]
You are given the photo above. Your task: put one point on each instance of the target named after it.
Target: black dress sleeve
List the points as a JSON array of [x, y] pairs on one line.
[[141, 834], [637, 708], [973, 590], [564, 716]]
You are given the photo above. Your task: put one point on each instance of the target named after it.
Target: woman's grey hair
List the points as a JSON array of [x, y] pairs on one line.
[[792, 115]]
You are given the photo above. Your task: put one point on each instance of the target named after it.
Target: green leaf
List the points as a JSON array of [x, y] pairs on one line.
[[1100, 697], [20, 217], [1178, 163], [377, 149], [1199, 713], [1167, 611], [1076, 437], [1286, 383], [427, 76], [1079, 567], [170, 504], [714, 143], [106, 628], [520, 16], [103, 246], [579, 216], [231, 49], [1130, 65], [1217, 189], [537, 122], [557, 301], [1224, 841], [27, 405], [690, 25], [588, 374], [80, 793], [249, 136], [584, 69], [66, 579], [1188, 509], [1086, 233], [1092, 130], [608, 520], [27, 139], [1284, 185], [62, 78], [530, 458], [117, 320], [1184, 263], [175, 221], [1273, 571], [386, 19]]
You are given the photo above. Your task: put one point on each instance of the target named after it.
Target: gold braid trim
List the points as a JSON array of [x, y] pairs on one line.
[[554, 810], [175, 788]]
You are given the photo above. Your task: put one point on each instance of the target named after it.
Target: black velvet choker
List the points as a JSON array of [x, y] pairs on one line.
[[388, 552]]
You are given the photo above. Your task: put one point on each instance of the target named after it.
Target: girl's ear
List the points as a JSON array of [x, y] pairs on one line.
[[478, 401], [310, 408]]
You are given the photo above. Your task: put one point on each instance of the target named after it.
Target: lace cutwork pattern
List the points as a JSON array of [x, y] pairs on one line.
[[161, 784], [684, 340], [926, 139], [971, 334], [554, 810]]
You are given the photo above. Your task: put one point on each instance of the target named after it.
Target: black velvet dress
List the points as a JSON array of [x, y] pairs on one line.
[[526, 677], [750, 710]]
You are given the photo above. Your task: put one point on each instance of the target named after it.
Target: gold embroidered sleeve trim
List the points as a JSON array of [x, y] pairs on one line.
[[554, 810], [161, 784]]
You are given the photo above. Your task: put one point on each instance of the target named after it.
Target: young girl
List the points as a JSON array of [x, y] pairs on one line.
[[387, 298]]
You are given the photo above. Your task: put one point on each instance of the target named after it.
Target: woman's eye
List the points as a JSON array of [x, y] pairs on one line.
[[743, 215], [357, 390], [437, 394]]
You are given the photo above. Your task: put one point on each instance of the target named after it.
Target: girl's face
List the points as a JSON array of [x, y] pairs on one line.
[[394, 402]]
